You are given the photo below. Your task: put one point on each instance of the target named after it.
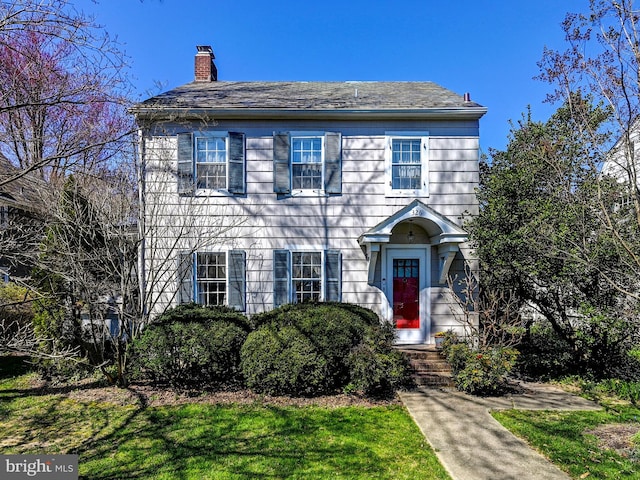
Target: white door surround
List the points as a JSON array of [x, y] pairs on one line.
[[407, 255]]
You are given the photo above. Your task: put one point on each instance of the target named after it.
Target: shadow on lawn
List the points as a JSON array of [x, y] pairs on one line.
[[213, 441], [42, 420], [185, 441], [47, 389], [191, 440], [14, 365]]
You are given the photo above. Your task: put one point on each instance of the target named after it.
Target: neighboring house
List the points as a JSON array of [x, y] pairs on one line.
[[258, 194], [20, 220], [622, 163]]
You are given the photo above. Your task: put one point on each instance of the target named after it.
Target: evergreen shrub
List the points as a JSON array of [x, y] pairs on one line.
[[346, 343], [281, 360], [375, 368], [192, 346]]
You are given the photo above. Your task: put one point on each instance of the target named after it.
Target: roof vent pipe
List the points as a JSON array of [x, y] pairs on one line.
[[467, 97]]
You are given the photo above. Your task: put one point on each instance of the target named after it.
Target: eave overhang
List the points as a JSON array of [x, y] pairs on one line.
[[170, 114]]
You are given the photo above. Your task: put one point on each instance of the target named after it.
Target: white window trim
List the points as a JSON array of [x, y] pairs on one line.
[[292, 294], [210, 192], [423, 136], [195, 277], [307, 192], [308, 249]]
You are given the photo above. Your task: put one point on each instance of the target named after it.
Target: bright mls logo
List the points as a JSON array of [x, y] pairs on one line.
[[50, 467]]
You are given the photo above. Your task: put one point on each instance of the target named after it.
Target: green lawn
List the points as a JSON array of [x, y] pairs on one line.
[[564, 438], [200, 441]]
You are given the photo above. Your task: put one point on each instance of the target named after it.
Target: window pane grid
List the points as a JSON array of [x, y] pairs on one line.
[[306, 150], [306, 158], [211, 278], [212, 175], [306, 275], [405, 268], [307, 177], [406, 167], [211, 162], [211, 150]]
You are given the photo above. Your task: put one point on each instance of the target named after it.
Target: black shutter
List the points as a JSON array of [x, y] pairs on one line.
[[281, 277], [185, 278], [236, 155], [237, 280], [332, 276], [281, 163], [185, 164], [333, 163]]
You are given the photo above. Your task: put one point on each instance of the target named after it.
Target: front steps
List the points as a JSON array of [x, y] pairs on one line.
[[428, 366]]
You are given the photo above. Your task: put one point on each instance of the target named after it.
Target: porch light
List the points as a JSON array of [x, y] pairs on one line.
[[410, 236]]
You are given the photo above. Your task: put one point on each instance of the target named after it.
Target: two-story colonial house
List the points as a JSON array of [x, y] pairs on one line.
[[257, 194]]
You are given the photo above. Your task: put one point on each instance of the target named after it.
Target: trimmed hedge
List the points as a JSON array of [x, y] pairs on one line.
[[333, 328], [375, 368], [300, 350], [283, 361], [344, 342], [192, 346]]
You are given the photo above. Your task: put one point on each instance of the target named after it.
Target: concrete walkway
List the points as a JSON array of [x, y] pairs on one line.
[[472, 445]]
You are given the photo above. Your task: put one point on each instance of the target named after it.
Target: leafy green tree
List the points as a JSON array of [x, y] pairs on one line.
[[602, 59], [540, 232]]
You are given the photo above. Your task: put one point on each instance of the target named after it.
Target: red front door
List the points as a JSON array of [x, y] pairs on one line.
[[406, 292]]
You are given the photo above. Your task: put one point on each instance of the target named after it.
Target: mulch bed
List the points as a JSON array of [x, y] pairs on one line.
[[617, 437], [153, 396]]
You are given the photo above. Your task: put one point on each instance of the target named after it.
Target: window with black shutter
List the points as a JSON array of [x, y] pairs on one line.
[[213, 278], [307, 162], [211, 161], [301, 276]]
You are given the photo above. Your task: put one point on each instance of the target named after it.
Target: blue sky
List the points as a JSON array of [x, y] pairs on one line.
[[489, 48]]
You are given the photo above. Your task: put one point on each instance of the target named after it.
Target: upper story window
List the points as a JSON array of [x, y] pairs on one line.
[[307, 162], [212, 162], [407, 164]]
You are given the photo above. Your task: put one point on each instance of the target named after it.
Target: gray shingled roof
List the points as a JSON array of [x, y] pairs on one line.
[[21, 191], [353, 97]]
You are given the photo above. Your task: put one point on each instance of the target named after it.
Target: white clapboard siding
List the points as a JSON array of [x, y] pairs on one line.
[[262, 221]]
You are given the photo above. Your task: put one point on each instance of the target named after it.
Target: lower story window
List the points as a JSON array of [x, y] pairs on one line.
[[306, 276], [211, 279]]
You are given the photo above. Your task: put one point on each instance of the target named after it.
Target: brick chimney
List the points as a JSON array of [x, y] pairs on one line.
[[205, 69]]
